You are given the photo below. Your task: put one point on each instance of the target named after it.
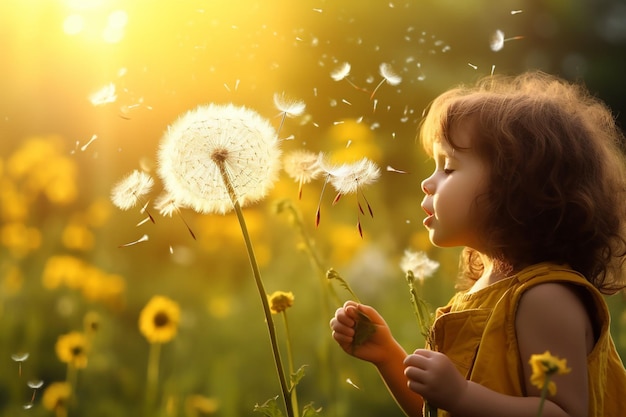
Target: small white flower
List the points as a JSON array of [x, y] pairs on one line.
[[127, 192], [212, 140], [419, 264]]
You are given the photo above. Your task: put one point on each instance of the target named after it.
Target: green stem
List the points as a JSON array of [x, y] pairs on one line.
[[544, 394], [313, 256], [152, 376], [294, 396], [259, 283]]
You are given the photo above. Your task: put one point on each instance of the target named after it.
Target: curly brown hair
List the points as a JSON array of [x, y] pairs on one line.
[[557, 181]]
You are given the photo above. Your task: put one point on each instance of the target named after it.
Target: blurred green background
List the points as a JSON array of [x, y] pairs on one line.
[[61, 151]]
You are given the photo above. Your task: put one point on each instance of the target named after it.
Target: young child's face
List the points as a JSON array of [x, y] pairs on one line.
[[459, 177]]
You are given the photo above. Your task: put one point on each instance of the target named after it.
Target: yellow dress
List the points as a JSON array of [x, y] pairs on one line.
[[477, 332]]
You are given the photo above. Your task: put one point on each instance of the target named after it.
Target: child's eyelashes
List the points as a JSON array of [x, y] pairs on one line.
[[448, 171]]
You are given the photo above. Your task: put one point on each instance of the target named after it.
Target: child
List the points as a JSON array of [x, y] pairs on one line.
[[530, 178]]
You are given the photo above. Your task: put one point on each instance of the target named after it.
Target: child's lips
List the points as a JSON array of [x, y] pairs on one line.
[[429, 216]]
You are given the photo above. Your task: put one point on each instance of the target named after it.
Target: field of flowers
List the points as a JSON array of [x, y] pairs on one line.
[[132, 285]]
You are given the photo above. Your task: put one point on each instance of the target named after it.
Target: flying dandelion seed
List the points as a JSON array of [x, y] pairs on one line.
[[349, 381], [214, 139], [143, 238], [472, 65], [20, 358], [130, 190], [142, 222], [86, 145], [496, 43], [104, 96], [167, 206], [392, 169], [302, 166], [389, 76], [34, 385], [287, 107], [350, 179], [514, 12], [341, 73]]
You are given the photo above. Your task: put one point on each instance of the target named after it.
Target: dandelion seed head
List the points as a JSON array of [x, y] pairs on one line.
[[127, 192], [341, 72], [387, 72], [419, 264], [301, 165], [202, 140], [289, 106], [347, 178]]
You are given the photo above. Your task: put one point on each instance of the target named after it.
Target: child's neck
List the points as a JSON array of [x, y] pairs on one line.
[[491, 274]]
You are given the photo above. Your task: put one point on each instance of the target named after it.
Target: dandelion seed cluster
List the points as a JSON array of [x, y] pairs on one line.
[[211, 138]]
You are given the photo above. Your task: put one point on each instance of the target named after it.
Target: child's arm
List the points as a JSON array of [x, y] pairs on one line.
[[549, 317], [381, 349]]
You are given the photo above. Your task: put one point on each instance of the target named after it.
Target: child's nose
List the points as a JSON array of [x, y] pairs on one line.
[[427, 186]]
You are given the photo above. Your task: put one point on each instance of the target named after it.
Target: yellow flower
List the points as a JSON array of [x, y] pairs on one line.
[[63, 270], [71, 348], [543, 367], [280, 301], [77, 236], [56, 396], [198, 405], [158, 320]]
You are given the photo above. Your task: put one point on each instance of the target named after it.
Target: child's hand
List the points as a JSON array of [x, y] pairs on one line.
[[433, 375], [375, 347]]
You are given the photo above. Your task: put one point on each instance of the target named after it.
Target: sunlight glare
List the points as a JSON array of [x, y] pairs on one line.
[[73, 24]]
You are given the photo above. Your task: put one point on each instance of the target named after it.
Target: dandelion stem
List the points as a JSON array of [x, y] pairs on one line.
[[314, 257], [259, 283], [294, 396], [376, 89], [282, 122]]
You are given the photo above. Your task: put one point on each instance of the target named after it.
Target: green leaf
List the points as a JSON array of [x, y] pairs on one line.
[[363, 329], [297, 376], [269, 408], [310, 410]]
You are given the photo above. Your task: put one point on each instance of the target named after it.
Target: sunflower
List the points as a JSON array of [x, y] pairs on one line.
[[72, 348], [56, 397], [158, 320]]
